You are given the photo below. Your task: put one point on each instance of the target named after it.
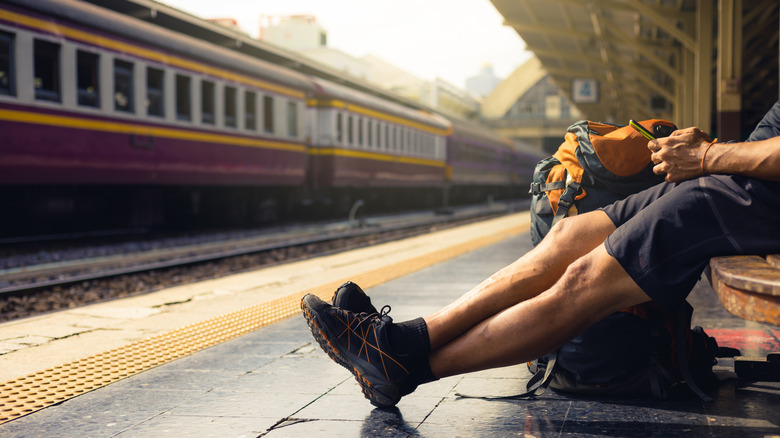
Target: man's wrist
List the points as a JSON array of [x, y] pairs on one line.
[[704, 167]]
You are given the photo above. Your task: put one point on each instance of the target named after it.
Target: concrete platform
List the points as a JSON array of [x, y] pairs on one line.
[[276, 382]]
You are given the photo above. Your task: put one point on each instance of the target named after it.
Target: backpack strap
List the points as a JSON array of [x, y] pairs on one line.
[[538, 188], [566, 201], [683, 322], [535, 386], [540, 381]]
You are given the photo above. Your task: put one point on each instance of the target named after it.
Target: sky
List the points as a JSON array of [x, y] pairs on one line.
[[449, 39]]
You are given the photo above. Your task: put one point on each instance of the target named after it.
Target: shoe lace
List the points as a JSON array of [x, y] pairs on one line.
[[364, 317]]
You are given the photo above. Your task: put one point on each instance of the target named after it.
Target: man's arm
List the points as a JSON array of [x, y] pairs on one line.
[[689, 153]]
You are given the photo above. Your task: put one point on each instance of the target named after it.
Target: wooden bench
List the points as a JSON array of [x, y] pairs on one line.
[[749, 287]]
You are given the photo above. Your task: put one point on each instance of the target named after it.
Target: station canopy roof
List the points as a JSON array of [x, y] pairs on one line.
[[616, 59]]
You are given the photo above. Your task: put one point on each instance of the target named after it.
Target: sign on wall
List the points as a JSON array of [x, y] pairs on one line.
[[585, 91]]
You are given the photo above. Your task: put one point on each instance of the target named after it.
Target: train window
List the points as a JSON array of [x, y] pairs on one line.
[[155, 98], [6, 63], [387, 137], [339, 128], [207, 102], [183, 105], [268, 114], [379, 135], [123, 86], [349, 130], [230, 107], [369, 133], [47, 71], [250, 110], [87, 68], [292, 119], [360, 131]]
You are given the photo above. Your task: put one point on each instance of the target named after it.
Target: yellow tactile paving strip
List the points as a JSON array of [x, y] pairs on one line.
[[38, 390]]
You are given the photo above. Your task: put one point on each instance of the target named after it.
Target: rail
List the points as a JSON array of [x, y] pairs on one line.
[[18, 281]]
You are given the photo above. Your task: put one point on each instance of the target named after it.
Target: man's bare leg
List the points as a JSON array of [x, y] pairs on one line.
[[591, 288], [527, 277]]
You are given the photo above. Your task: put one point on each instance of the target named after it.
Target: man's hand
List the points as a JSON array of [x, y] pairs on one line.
[[679, 156]]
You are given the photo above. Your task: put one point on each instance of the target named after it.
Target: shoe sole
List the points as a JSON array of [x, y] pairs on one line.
[[376, 394]]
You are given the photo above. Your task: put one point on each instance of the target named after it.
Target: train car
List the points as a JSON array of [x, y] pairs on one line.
[[481, 164], [525, 158], [107, 120], [94, 103], [366, 148]]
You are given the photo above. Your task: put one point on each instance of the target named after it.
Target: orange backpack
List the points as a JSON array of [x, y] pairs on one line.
[[597, 164]]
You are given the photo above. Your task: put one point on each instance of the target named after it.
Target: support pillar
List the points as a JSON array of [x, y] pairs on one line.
[[688, 85], [702, 106], [729, 74]]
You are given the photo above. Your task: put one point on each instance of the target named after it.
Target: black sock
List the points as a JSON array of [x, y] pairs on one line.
[[421, 372], [410, 337]]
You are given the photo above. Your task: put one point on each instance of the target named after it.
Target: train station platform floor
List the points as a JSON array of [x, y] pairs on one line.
[[276, 382]]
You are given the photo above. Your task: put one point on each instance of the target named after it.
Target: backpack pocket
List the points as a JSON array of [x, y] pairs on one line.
[[553, 196]]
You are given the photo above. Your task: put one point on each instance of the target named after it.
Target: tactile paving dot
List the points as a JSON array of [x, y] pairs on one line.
[[24, 395]]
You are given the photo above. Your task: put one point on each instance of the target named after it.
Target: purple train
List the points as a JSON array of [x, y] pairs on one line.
[[106, 116]]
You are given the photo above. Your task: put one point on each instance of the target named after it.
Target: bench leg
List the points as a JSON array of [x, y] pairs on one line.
[[758, 369]]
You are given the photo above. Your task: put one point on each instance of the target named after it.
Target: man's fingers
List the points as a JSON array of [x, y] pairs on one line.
[[653, 145]]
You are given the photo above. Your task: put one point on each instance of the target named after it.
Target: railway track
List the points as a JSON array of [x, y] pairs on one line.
[[33, 289]]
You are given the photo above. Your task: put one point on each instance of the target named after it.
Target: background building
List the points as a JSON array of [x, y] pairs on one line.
[[529, 108], [526, 107], [483, 82]]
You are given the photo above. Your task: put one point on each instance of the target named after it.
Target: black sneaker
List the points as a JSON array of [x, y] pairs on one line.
[[350, 296], [358, 342]]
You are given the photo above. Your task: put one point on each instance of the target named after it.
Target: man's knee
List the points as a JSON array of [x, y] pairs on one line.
[[567, 227], [592, 227], [598, 284]]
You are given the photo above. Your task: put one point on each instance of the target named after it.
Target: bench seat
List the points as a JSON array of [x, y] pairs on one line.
[[748, 286]]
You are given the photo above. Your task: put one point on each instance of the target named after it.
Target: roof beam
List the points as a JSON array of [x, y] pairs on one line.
[[547, 30], [663, 22], [617, 5], [623, 38], [640, 74]]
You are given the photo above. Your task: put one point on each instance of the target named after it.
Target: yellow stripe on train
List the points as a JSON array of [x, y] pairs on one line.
[[350, 153], [131, 128]]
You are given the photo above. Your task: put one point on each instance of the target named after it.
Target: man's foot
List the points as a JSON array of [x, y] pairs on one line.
[[358, 342], [350, 296]]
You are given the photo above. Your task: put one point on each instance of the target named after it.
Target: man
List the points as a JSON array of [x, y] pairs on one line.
[[719, 199]]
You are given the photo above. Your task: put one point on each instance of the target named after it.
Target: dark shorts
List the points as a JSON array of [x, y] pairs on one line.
[[666, 234]]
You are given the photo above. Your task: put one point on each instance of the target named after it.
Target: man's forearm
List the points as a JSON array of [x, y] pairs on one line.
[[758, 159]]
